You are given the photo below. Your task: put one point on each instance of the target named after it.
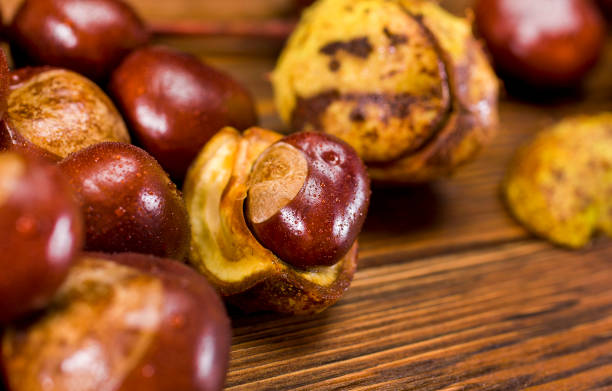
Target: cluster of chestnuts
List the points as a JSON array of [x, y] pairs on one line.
[[95, 230]]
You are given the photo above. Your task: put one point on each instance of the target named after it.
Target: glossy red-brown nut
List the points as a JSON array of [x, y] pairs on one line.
[[308, 198], [41, 232], [125, 322], [174, 104], [53, 112], [128, 201], [88, 36], [548, 43]]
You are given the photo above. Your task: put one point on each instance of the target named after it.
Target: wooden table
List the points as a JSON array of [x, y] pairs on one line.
[[451, 294]]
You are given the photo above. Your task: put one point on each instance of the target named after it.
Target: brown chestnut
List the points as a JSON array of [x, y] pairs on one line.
[[88, 36], [54, 112], [308, 198], [547, 43], [129, 203], [124, 322], [41, 231], [174, 104]]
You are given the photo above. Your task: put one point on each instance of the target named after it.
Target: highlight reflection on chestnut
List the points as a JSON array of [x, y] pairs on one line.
[[308, 198], [549, 43], [173, 104], [41, 232], [129, 203], [88, 36]]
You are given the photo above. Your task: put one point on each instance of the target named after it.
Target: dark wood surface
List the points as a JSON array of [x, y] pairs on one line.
[[451, 294]]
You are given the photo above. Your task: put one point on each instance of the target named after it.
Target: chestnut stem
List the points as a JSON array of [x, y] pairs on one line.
[[269, 29]]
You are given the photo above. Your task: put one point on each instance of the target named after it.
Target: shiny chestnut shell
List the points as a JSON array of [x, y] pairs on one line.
[[41, 230], [173, 104], [88, 36], [129, 203], [123, 322], [547, 43], [320, 224]]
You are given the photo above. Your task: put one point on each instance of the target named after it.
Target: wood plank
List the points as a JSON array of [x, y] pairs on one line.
[[501, 318]]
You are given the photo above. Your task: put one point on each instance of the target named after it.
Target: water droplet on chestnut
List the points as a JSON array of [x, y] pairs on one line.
[[547, 43], [125, 211], [41, 231], [88, 36], [308, 198], [174, 104]]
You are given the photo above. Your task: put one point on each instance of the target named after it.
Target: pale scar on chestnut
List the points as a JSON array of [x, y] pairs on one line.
[[277, 177], [11, 169]]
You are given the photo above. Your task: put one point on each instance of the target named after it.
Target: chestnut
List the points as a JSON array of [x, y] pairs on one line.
[[224, 248], [128, 201], [545, 43], [173, 104], [88, 36], [308, 198], [41, 231], [54, 112], [123, 322]]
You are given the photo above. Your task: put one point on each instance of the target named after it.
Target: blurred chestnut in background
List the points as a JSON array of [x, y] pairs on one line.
[[88, 36], [127, 322], [41, 232], [545, 43], [173, 104], [308, 198], [129, 203], [54, 112]]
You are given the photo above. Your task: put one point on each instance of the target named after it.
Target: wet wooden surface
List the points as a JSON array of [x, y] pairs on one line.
[[451, 294]]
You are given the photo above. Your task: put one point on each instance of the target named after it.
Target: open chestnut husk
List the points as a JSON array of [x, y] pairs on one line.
[[128, 201], [41, 230], [559, 185], [90, 37], [225, 250], [403, 82], [174, 103], [123, 322], [54, 112], [547, 44]]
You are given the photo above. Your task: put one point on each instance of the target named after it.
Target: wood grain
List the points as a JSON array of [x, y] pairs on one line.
[[503, 318]]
